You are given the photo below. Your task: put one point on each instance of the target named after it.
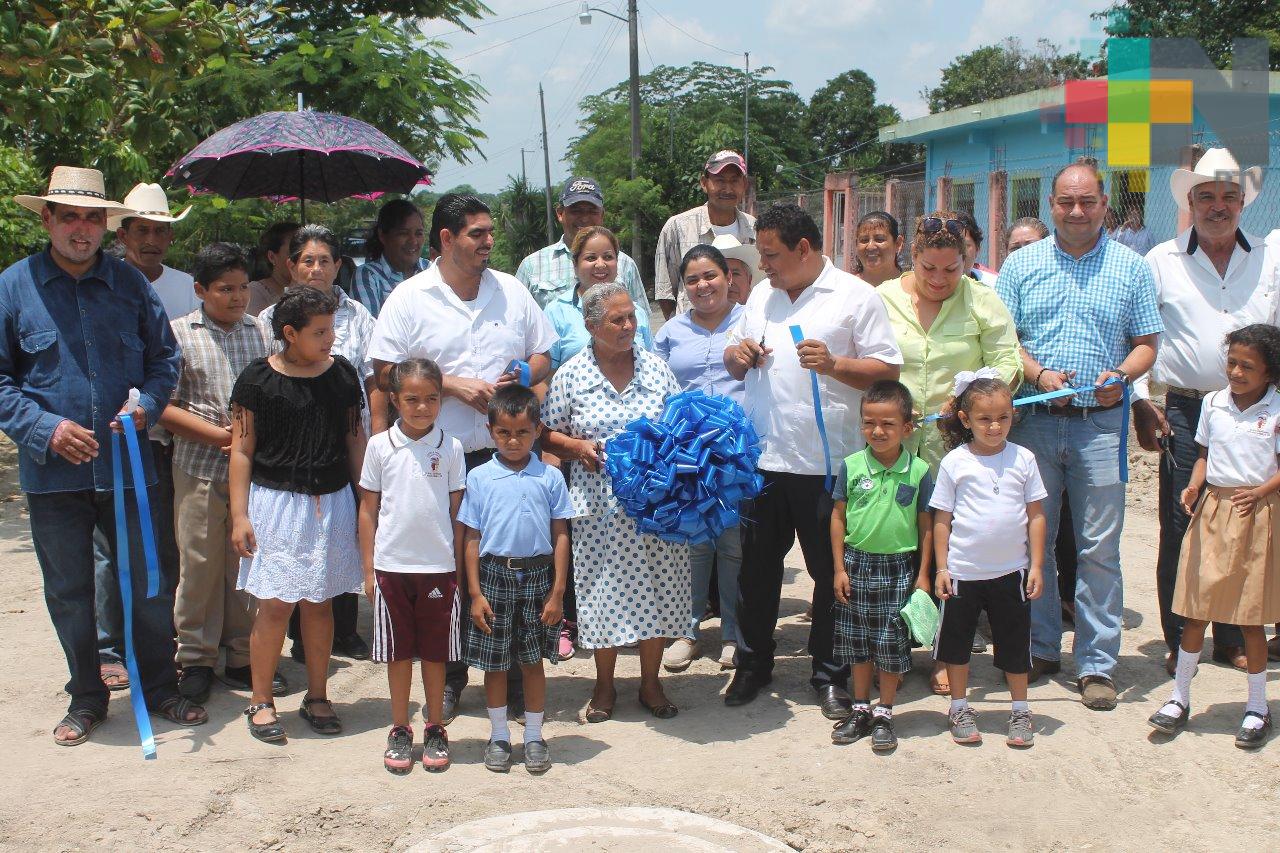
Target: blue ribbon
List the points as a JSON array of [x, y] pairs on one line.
[[521, 370], [798, 336], [136, 697]]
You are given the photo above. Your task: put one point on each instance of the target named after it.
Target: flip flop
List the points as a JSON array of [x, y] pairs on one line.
[[936, 686], [82, 722], [662, 712], [600, 715], [115, 676]]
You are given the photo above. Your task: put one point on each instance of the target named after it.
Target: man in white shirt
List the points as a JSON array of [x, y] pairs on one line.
[[847, 344], [473, 322], [1210, 280], [146, 236]]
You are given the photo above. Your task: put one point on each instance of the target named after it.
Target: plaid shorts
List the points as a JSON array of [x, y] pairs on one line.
[[516, 598], [870, 627]]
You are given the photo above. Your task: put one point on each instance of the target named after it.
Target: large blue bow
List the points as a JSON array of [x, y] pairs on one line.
[[681, 478]]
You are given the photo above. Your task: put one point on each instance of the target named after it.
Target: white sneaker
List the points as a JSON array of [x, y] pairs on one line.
[[726, 655], [679, 655]]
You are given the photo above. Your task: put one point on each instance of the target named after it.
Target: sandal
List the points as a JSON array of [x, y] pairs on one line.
[[81, 722], [665, 711], [936, 685], [115, 676], [267, 732], [600, 715], [329, 725], [176, 708]]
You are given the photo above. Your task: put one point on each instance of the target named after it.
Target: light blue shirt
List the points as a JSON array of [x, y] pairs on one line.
[[513, 510], [1079, 314], [696, 355], [374, 280], [565, 315]]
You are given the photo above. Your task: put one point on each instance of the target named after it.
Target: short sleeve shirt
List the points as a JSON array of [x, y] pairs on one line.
[[695, 353], [1242, 445], [565, 315], [414, 479], [512, 509], [177, 292], [883, 504]]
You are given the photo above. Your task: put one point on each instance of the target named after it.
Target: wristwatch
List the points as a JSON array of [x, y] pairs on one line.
[[1123, 376]]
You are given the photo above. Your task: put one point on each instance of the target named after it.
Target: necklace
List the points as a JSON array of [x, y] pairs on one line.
[[995, 475]]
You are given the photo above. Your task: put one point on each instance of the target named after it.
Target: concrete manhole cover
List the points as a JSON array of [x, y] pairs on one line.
[[617, 830]]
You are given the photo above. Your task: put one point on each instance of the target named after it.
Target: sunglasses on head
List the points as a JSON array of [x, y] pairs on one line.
[[934, 224]]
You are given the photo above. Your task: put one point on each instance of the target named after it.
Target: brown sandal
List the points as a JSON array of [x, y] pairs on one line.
[[600, 715]]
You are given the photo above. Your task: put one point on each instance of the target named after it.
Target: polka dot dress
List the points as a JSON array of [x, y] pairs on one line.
[[629, 586]]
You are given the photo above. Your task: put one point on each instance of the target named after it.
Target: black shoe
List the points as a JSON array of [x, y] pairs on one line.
[[1248, 738], [351, 646], [1040, 667], [882, 737], [744, 687], [1168, 724], [297, 652], [240, 677], [195, 683], [834, 702], [451, 698], [852, 728]]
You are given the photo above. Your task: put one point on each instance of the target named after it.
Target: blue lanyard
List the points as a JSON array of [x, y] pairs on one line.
[[798, 336]]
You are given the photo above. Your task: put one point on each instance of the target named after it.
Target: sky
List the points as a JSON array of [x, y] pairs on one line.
[[527, 42]]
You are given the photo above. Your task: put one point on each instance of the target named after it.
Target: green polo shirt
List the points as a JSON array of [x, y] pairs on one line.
[[883, 503]]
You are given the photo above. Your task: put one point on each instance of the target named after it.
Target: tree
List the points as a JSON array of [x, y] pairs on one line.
[[843, 120], [520, 217], [1001, 70], [1212, 23]]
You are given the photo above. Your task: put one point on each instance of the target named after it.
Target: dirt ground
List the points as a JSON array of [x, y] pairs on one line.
[[1092, 781]]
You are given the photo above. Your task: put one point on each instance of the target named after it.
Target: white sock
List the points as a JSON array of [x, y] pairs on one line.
[[883, 711], [533, 725], [1186, 670], [1257, 698], [498, 729], [959, 704], [1020, 706]]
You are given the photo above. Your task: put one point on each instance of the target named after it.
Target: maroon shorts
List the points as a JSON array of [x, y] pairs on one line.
[[416, 616]]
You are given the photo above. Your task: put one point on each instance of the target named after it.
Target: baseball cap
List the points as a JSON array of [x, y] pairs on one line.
[[717, 161], [581, 189]]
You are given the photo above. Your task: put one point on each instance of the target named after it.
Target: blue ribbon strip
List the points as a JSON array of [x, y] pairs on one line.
[[521, 370], [136, 697], [798, 336]]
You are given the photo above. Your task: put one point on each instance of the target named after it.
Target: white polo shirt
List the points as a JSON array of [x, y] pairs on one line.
[[177, 292], [1242, 445], [415, 478], [844, 312], [1199, 307], [424, 318]]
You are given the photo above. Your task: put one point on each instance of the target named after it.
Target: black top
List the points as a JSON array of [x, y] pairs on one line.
[[300, 425]]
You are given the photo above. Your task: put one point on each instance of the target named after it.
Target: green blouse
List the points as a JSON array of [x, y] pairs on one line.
[[973, 329]]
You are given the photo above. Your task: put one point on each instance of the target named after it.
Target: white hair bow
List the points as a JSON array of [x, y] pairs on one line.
[[965, 378]]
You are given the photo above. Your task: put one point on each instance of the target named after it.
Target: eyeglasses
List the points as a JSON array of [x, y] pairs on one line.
[[934, 224]]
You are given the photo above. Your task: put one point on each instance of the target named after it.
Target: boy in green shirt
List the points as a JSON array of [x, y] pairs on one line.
[[880, 523]]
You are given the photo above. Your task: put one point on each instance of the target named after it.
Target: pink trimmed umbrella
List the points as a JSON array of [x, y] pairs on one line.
[[299, 155]]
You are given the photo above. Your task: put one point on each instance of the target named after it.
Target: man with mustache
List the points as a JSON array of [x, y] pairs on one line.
[[146, 236]]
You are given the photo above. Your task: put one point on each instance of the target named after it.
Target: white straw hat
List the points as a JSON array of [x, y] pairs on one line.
[[731, 247], [1217, 164], [147, 201], [73, 186]]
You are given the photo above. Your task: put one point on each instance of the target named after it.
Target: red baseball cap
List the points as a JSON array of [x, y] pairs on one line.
[[719, 160]]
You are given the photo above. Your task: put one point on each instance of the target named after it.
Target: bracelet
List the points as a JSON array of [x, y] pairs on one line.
[[1036, 383]]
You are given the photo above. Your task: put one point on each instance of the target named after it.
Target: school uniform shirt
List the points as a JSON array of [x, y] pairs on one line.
[[424, 318], [1242, 445], [987, 497], [513, 509], [415, 479], [177, 292], [844, 312], [883, 504]]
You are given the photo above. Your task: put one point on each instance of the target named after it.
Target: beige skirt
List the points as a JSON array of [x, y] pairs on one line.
[[1230, 567]]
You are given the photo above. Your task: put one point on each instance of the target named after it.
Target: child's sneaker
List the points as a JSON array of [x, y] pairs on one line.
[[882, 737], [399, 755], [497, 756], [435, 749], [964, 726], [565, 649], [1022, 731], [537, 757], [852, 728]]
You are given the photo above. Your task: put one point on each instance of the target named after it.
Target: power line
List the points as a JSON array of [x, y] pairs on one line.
[[517, 38], [589, 73], [672, 24], [503, 20]]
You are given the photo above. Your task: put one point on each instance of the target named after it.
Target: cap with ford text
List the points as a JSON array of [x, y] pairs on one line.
[[581, 189], [719, 160]]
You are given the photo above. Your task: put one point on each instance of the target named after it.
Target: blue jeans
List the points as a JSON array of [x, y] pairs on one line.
[[62, 529], [726, 553], [1081, 455]]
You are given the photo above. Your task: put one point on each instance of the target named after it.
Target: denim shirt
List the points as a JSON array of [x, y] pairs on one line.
[[72, 349]]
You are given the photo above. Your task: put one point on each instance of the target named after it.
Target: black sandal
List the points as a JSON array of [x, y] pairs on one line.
[[320, 725], [665, 711], [81, 722], [175, 710], [268, 732]]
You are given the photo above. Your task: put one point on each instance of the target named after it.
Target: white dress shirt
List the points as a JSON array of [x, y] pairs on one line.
[[424, 318], [843, 312], [1199, 307]]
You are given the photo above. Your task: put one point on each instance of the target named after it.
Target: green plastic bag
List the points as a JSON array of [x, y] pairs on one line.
[[921, 617]]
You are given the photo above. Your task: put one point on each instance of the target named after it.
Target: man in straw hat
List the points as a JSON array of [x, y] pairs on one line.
[[78, 330], [1211, 279], [146, 234], [744, 260]]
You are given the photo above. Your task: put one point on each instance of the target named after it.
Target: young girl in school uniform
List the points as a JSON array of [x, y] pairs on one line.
[[1230, 569], [988, 535], [297, 445]]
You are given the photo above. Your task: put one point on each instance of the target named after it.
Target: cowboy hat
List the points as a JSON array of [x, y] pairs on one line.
[[147, 201], [731, 247], [72, 186], [1217, 164]]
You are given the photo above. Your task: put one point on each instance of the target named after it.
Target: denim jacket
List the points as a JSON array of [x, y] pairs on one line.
[[72, 349]]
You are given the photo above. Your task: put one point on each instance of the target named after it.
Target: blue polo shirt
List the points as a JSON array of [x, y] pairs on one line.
[[513, 509]]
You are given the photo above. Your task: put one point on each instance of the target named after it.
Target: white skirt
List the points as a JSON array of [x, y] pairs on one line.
[[306, 546]]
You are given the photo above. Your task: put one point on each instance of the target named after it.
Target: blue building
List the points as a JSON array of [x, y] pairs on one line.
[[996, 160]]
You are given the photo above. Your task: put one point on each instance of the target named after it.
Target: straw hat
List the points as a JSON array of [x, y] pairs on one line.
[[73, 186], [731, 247], [1217, 164], [147, 201]]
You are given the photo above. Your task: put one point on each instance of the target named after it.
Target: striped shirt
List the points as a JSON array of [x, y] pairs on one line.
[[1079, 314], [211, 360], [549, 275], [680, 234], [374, 280]]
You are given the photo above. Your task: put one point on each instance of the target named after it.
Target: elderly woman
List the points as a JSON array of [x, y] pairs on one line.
[[878, 242], [595, 261], [631, 588], [693, 346]]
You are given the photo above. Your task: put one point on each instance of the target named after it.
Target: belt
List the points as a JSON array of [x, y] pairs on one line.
[[1189, 393], [1070, 410], [520, 563]]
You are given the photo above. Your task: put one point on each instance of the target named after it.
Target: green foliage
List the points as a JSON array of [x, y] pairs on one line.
[[20, 231], [520, 216], [1213, 23], [844, 115], [1001, 70]]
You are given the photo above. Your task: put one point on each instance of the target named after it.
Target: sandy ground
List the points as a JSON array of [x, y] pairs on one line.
[[1093, 780]]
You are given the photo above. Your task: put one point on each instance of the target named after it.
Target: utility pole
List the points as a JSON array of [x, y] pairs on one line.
[[633, 27], [524, 170], [546, 164], [746, 111]]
